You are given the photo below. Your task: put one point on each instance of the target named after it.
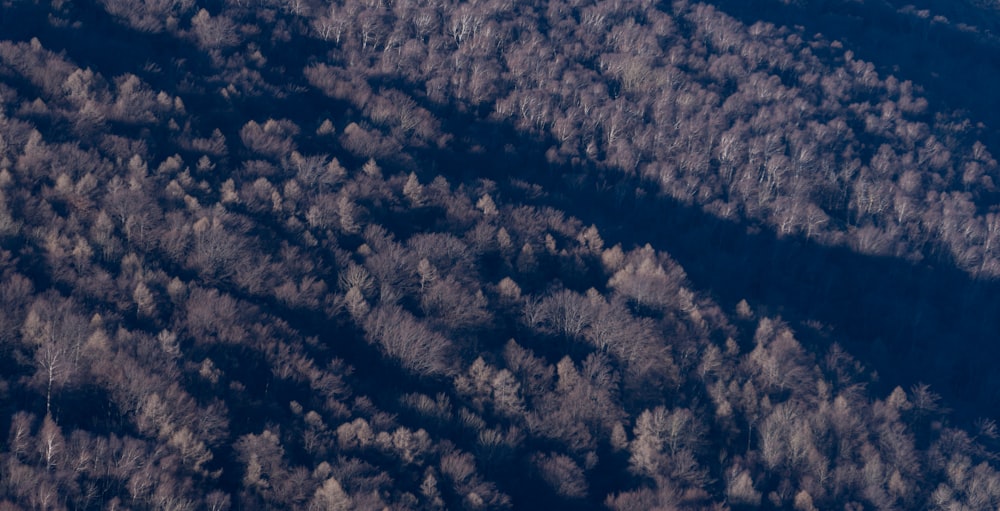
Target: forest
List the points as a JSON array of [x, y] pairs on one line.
[[494, 254]]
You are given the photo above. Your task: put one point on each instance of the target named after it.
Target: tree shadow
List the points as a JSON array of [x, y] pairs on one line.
[[955, 62], [908, 323]]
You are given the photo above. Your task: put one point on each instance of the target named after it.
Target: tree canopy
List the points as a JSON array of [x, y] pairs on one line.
[[294, 254]]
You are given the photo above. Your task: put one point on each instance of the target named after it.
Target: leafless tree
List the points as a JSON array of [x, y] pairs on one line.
[[405, 339]]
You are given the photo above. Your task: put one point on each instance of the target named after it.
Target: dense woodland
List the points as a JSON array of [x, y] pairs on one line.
[[552, 254]]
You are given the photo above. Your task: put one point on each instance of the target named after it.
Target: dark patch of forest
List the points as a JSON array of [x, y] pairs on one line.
[[288, 254]]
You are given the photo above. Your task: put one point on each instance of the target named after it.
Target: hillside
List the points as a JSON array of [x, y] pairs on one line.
[[419, 254]]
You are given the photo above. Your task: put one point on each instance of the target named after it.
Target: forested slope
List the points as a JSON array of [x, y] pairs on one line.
[[485, 255]]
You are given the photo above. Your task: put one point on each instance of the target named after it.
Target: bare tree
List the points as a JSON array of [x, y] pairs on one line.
[[214, 32], [405, 339], [562, 474], [57, 334]]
